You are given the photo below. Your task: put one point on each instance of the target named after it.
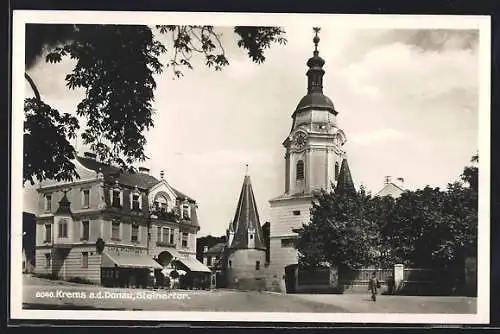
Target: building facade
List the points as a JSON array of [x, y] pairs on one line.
[[314, 157], [135, 217]]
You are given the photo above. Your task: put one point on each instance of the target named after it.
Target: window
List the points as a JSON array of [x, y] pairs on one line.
[[185, 236], [166, 234], [85, 259], [257, 265], [24, 265], [135, 233], [336, 170], [230, 264], [158, 233], [172, 238], [85, 230], [185, 211], [300, 170], [47, 260], [86, 198], [63, 229], [286, 243], [296, 212], [116, 201], [135, 202], [115, 230], [48, 203], [48, 233], [251, 236], [209, 260], [161, 204]]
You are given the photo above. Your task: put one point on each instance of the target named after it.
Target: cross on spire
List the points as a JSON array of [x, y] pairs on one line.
[[316, 38], [246, 169]]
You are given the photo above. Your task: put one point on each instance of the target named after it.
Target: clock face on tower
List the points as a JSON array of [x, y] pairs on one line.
[[300, 140]]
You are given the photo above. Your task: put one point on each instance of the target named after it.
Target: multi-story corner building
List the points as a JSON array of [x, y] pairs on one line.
[[109, 226]]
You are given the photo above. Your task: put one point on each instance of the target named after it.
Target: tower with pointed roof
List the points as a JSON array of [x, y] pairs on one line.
[[314, 159], [246, 248]]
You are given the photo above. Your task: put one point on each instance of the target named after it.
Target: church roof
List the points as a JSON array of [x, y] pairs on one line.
[[245, 218], [344, 183], [315, 100], [390, 189]]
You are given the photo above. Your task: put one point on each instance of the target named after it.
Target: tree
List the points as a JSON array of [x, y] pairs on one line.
[[340, 232], [435, 228], [470, 174], [115, 67]]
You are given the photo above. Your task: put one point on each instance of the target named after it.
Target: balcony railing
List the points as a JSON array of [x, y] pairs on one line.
[[165, 215]]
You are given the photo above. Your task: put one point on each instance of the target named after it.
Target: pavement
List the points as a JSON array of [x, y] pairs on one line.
[[48, 294]]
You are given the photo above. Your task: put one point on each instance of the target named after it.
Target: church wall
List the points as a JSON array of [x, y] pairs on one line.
[[283, 219], [318, 165], [242, 273], [281, 256]]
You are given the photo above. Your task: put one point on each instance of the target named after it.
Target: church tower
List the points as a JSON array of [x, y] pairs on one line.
[[314, 156], [245, 253]]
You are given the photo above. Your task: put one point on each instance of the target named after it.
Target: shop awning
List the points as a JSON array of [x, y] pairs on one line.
[[194, 265], [128, 261]]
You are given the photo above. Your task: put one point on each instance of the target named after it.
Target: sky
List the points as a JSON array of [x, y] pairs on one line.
[[407, 101]]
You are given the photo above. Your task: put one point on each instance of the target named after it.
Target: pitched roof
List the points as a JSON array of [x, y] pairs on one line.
[[390, 189], [216, 249], [344, 183], [245, 218], [64, 206], [126, 178]]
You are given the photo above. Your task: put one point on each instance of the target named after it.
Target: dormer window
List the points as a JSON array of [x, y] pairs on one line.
[[48, 203], [116, 198], [300, 170], [160, 204], [85, 198], [186, 214]]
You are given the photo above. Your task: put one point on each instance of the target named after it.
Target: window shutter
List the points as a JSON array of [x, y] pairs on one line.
[[110, 197], [140, 201], [121, 198], [130, 196]]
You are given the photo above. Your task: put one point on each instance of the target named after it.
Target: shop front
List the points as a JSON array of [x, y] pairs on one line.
[[128, 271]]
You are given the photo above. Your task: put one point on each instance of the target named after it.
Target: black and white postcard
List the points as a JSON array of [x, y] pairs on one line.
[[250, 167]]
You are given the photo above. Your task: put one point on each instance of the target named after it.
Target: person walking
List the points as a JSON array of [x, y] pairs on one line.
[[373, 285]]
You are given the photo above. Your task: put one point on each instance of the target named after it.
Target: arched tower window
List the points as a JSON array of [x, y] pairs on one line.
[[300, 170], [336, 170]]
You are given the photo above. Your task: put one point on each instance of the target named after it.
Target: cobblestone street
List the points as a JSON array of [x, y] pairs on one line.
[[45, 294]]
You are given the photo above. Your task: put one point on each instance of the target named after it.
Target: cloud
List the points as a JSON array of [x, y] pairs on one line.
[[378, 136]]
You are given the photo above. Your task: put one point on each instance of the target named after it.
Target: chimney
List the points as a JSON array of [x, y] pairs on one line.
[[144, 170], [162, 174], [387, 179], [90, 155], [401, 181]]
